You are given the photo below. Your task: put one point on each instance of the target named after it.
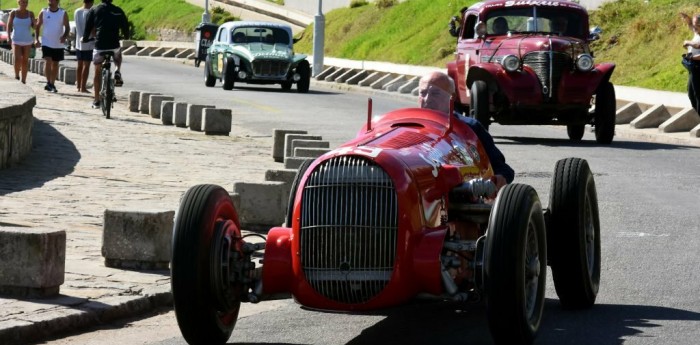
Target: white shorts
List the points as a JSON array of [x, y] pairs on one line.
[[97, 59]]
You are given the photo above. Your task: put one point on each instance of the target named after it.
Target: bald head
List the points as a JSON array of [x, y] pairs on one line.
[[435, 90]]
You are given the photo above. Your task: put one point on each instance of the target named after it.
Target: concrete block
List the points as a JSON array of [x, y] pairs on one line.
[[294, 162], [409, 85], [166, 112], [194, 116], [310, 152], [158, 52], [394, 84], [653, 117], [180, 114], [144, 99], [131, 50], [326, 72], [137, 239], [32, 261], [281, 175], [170, 53], [154, 103], [134, 101], [70, 75], [683, 121], [627, 113], [42, 68], [61, 71], [308, 143], [191, 56], [145, 51], [695, 132], [359, 76], [347, 75], [338, 72], [216, 121], [371, 78], [288, 149], [184, 54], [278, 142], [379, 83], [261, 204]]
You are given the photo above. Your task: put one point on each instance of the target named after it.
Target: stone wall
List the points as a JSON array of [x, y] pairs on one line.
[[16, 121]]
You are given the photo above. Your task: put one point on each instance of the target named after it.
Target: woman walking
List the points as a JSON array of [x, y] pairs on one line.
[[693, 56], [20, 24]]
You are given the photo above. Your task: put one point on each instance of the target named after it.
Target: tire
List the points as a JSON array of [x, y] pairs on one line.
[[106, 92], [205, 215], [293, 191], [228, 74], [604, 117], [575, 132], [574, 234], [286, 85], [479, 103], [209, 79], [515, 265], [305, 72]]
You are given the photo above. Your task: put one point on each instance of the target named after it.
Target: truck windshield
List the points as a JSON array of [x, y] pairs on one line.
[[555, 21]]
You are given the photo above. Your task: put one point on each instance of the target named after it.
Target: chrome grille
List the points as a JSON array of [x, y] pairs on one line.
[[349, 222], [540, 62], [270, 68]]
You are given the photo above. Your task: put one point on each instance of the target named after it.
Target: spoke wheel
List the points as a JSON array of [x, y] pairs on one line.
[[206, 231], [106, 93], [515, 265], [574, 234]]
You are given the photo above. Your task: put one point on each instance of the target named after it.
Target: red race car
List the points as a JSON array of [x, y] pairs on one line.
[[405, 208]]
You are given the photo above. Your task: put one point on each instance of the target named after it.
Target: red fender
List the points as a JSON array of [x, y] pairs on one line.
[[277, 272]]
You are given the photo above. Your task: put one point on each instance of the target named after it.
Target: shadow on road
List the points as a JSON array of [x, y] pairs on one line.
[[53, 155], [559, 142], [279, 90]]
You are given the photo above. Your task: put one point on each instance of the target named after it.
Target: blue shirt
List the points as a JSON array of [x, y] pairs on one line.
[[498, 161]]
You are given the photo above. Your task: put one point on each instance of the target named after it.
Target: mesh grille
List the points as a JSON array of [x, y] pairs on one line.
[[540, 62], [270, 68], [348, 229]]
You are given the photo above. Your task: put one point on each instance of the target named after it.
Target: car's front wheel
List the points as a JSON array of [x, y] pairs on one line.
[[605, 113], [305, 73], [575, 132], [209, 79], [479, 103], [228, 73]]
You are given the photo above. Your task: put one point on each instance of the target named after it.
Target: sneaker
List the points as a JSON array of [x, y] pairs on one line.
[[48, 87], [118, 79], [95, 104], [53, 88]]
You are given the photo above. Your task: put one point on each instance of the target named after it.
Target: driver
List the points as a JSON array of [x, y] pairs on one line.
[[499, 26], [559, 24], [434, 92]]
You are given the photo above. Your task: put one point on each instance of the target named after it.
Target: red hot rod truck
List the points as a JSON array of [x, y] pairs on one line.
[[406, 208], [528, 62]]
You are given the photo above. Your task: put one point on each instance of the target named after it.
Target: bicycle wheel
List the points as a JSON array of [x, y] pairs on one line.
[[106, 93]]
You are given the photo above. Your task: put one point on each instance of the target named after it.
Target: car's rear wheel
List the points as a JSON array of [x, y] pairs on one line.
[[305, 73], [605, 113], [575, 132], [228, 73], [479, 103], [574, 233], [515, 265], [209, 79], [206, 302]]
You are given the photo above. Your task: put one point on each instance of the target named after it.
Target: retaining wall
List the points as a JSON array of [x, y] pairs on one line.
[[16, 121]]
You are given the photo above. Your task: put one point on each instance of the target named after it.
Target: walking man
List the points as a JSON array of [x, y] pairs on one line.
[[83, 51], [52, 26]]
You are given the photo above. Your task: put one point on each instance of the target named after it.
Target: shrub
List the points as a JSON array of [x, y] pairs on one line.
[[358, 3], [385, 3]]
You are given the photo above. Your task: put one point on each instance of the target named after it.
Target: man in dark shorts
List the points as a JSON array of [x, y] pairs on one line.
[[83, 51], [54, 22], [107, 20]]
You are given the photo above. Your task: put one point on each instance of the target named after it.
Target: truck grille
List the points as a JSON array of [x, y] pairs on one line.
[[270, 68], [540, 62], [349, 226]]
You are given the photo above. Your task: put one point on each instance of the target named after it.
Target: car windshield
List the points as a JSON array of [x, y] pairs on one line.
[[535, 19], [244, 35]]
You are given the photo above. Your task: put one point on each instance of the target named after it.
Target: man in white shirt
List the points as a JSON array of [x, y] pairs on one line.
[[83, 51], [54, 21]]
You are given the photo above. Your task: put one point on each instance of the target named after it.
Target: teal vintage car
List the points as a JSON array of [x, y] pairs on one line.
[[255, 53]]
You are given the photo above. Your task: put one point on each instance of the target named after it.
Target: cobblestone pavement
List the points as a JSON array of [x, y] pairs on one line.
[[82, 164]]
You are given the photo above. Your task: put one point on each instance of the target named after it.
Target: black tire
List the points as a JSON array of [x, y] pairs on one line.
[[604, 117], [515, 265], [574, 234], [106, 92], [197, 234], [286, 85], [305, 73], [209, 79], [293, 191], [228, 74], [479, 103], [575, 132]]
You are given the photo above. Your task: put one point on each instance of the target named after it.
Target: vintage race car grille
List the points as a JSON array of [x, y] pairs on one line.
[[270, 68], [349, 222], [540, 62]]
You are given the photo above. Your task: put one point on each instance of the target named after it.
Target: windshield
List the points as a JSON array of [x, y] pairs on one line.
[[534, 19], [244, 35]]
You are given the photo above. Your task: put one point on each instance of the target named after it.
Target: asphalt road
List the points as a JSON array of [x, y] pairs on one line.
[[649, 197]]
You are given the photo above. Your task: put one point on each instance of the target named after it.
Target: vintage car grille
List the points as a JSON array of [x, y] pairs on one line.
[[349, 228], [540, 62], [270, 68]]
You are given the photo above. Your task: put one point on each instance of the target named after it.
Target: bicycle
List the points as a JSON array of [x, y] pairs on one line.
[[107, 95]]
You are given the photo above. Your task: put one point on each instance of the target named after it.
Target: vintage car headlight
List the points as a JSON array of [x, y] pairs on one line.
[[584, 62], [511, 63], [242, 75]]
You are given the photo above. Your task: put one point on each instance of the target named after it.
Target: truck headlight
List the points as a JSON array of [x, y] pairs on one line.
[[511, 63], [584, 62]]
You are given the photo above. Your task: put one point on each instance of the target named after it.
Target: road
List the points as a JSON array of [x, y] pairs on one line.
[[648, 195]]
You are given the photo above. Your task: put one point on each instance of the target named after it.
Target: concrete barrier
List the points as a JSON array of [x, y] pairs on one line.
[[132, 50], [261, 205], [278, 136], [180, 114], [166, 112], [144, 99], [154, 103], [308, 143], [683, 121], [288, 149], [16, 122], [216, 121], [194, 116], [134, 101], [146, 51], [294, 162], [137, 239], [281, 175], [653, 117], [310, 152], [627, 113], [69, 75], [32, 262], [158, 52]]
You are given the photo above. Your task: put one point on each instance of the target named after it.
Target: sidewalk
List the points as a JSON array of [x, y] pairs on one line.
[[81, 165]]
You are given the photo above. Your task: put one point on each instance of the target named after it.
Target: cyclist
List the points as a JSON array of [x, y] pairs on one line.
[[106, 20]]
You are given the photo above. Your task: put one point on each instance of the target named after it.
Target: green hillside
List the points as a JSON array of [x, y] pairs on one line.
[[643, 38]]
